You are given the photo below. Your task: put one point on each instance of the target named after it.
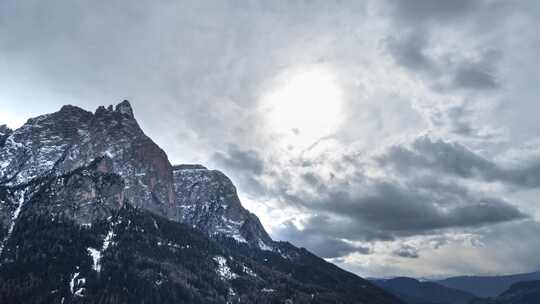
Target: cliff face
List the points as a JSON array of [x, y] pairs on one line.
[[72, 137], [207, 200], [91, 211], [61, 142]]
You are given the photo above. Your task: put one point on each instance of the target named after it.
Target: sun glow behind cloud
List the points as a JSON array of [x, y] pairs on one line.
[[303, 106]]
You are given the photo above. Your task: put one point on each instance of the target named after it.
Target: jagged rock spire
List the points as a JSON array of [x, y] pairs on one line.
[[125, 108]]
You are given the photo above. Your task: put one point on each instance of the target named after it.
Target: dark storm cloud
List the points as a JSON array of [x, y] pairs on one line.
[[479, 74], [313, 180], [475, 76], [416, 11], [457, 120], [363, 208], [425, 196], [422, 201], [246, 167], [408, 51], [456, 159], [425, 153], [331, 226], [416, 24], [461, 71], [400, 211], [407, 251], [448, 72], [236, 159], [311, 237]]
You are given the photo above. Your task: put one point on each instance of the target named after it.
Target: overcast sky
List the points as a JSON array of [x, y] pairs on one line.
[[391, 137]]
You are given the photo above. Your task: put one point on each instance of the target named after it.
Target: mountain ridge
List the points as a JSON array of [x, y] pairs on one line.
[[73, 137], [523, 292], [92, 211], [414, 291], [487, 286]]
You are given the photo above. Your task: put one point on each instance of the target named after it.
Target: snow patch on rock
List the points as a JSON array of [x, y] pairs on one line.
[[223, 270], [96, 257], [97, 254], [75, 285], [248, 271]]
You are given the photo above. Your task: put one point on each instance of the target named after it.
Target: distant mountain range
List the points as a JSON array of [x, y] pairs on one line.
[[508, 289], [527, 292], [413, 291], [487, 286]]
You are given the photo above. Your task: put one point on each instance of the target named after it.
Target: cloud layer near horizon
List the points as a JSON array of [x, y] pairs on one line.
[[432, 167]]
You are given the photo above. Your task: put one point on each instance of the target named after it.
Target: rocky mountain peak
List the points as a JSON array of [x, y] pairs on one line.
[[63, 141], [74, 110], [122, 111], [124, 108]]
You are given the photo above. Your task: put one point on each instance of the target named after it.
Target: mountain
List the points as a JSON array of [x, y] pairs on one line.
[[413, 291], [527, 292], [207, 200], [487, 286], [92, 211], [72, 137]]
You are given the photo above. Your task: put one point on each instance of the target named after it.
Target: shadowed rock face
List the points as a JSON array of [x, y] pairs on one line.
[[207, 200], [84, 195], [63, 141]]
